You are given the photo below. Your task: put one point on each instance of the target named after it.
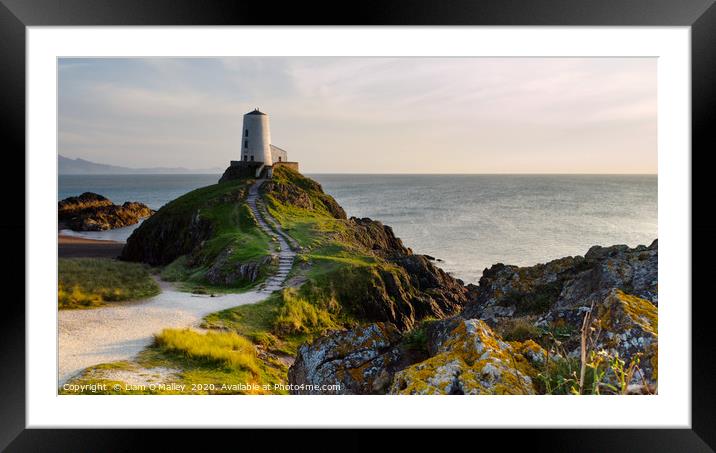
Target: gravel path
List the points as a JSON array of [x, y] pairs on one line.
[[120, 331]]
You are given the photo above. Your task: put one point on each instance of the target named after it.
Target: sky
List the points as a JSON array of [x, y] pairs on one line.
[[366, 115]]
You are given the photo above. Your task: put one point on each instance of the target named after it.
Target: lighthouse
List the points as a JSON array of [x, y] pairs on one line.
[[256, 140], [257, 157]]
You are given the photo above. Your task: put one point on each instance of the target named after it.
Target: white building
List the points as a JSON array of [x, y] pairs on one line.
[[256, 138], [278, 154], [258, 156]]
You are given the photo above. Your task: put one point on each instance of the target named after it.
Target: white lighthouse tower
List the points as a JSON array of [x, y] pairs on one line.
[[256, 138], [258, 156]]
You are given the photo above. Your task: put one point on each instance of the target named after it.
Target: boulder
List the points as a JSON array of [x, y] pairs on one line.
[[626, 326], [357, 361], [468, 358]]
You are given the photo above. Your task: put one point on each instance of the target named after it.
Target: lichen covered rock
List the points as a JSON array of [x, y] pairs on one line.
[[626, 326], [357, 361], [471, 359]]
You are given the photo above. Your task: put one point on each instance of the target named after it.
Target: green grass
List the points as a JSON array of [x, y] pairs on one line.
[[234, 237], [235, 227], [91, 282], [192, 279], [266, 322], [308, 227], [559, 376], [296, 315], [223, 349]]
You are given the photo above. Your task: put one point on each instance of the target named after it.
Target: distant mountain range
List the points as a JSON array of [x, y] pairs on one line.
[[67, 166]]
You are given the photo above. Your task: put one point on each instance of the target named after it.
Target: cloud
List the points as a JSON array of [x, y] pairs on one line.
[[367, 114]]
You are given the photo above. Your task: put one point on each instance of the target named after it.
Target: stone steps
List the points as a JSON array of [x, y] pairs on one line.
[[269, 226]]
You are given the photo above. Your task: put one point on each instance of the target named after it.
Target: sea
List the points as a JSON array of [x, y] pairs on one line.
[[468, 222]]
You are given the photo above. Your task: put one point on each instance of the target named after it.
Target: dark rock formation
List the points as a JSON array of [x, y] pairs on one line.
[[618, 285], [161, 239], [407, 289], [242, 171], [358, 361], [93, 212], [377, 237], [182, 226], [72, 206], [565, 284], [613, 288]]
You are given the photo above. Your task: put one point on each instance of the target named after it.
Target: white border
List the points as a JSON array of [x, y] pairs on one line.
[[671, 408]]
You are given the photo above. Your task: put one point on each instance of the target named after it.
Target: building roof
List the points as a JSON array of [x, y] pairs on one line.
[[256, 112]]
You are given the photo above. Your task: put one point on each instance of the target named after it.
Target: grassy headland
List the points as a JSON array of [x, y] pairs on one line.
[[348, 271], [203, 239]]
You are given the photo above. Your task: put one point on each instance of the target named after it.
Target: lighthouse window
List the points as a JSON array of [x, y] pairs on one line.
[[246, 157], [246, 143], [252, 158], [246, 133]]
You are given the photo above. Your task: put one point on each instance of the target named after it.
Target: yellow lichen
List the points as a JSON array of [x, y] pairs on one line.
[[641, 311], [473, 360]]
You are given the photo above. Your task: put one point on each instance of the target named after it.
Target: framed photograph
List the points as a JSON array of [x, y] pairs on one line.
[[419, 217]]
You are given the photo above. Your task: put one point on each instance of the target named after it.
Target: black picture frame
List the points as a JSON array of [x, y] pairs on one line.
[[16, 15]]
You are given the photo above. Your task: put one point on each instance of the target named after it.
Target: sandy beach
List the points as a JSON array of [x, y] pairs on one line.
[[78, 247]]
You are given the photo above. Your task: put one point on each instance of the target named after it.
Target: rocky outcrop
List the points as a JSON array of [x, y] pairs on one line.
[[378, 238], [469, 359], [466, 358], [72, 206], [401, 292], [565, 286], [407, 288], [159, 240], [626, 326], [398, 286], [182, 226], [610, 294], [93, 212], [358, 361]]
